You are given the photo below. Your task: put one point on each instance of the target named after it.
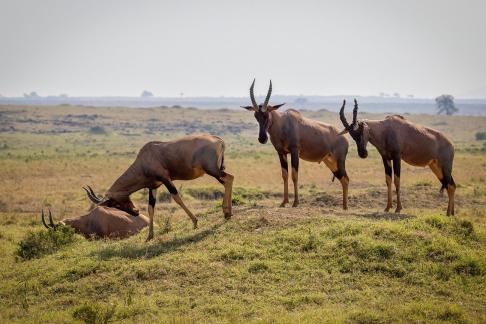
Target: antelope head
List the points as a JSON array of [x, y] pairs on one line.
[[358, 130], [124, 203], [262, 112]]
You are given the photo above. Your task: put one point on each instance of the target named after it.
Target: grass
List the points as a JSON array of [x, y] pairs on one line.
[[306, 264]]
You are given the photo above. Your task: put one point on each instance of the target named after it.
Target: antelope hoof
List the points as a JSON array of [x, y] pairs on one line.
[[194, 224], [150, 237], [397, 211], [387, 209], [227, 215], [295, 204], [284, 203]]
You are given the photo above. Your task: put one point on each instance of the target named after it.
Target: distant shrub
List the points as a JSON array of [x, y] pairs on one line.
[[94, 313], [258, 267], [37, 244], [207, 193], [468, 266], [423, 183], [311, 243], [97, 130], [164, 196], [480, 136], [451, 313], [167, 225]]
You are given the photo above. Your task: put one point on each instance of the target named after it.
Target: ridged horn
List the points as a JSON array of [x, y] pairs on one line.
[[91, 195], [252, 96], [342, 117], [355, 112], [267, 98], [43, 220]]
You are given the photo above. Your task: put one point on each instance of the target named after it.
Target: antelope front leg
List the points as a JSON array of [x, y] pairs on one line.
[[175, 195], [294, 160], [388, 175], [151, 211], [396, 173], [285, 176], [227, 200]]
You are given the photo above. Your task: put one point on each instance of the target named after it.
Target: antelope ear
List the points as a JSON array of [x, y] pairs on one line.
[[272, 108], [344, 131], [249, 108]]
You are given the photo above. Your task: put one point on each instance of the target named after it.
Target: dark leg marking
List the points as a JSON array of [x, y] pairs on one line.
[[388, 169], [396, 167], [294, 160], [168, 185], [151, 198], [283, 162]]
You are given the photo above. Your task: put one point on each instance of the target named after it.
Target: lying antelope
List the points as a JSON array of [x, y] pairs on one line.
[[396, 138], [102, 222], [303, 138], [160, 163]]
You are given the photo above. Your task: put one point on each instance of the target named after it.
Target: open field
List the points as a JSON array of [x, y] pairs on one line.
[[311, 263]]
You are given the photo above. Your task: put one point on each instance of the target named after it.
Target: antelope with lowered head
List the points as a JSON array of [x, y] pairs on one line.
[[102, 222], [398, 139], [160, 163], [304, 138]]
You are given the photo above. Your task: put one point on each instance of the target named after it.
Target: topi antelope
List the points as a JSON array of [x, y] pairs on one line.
[[102, 222], [303, 138], [395, 139], [160, 163]]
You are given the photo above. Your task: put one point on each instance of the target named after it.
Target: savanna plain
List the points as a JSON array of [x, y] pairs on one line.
[[313, 263]]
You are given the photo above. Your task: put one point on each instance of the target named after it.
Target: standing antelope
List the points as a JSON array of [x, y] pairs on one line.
[[160, 163], [308, 139], [396, 138]]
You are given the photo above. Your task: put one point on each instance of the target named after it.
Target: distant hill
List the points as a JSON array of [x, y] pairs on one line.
[[331, 103]]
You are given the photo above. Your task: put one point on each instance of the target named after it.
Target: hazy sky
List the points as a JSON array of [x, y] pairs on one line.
[[215, 48]]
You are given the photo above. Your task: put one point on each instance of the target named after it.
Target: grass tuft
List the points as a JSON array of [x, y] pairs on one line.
[[37, 244]]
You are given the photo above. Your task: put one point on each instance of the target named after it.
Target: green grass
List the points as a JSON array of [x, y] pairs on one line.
[[258, 266], [313, 263]]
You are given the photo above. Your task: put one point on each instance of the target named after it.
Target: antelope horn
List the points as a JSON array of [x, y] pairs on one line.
[[267, 98], [43, 220], [92, 196], [355, 112], [342, 117], [51, 222], [252, 96]]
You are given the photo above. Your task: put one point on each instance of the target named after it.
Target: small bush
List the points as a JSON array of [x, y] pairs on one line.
[[97, 130], [480, 136], [37, 244], [451, 313], [310, 244], [258, 267], [94, 313], [423, 183], [164, 196], [468, 266]]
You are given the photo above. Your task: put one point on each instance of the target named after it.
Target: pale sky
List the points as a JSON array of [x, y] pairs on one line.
[[215, 48]]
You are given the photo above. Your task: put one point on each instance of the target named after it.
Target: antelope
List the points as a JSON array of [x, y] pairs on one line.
[[160, 163], [304, 138], [397, 139], [101, 222]]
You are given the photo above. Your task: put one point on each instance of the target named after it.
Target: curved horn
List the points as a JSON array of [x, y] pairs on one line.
[[267, 98], [51, 222], [355, 112], [342, 117], [92, 196], [43, 220], [252, 96]]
